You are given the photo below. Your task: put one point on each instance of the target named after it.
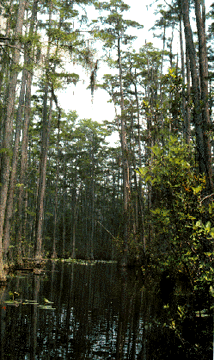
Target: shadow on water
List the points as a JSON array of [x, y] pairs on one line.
[[75, 311]]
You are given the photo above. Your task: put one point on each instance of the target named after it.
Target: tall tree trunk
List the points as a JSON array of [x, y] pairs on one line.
[[125, 163], [13, 177], [92, 201], [23, 166], [170, 46], [25, 223], [42, 174], [75, 216], [8, 129], [203, 66], [139, 187], [27, 112], [5, 66], [85, 231], [200, 118], [46, 120], [183, 104], [64, 206], [187, 107], [54, 254]]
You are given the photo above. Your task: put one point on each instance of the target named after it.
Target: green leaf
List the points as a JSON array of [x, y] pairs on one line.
[[9, 152], [197, 189], [212, 232], [208, 226], [19, 185], [199, 223], [208, 253], [148, 178]]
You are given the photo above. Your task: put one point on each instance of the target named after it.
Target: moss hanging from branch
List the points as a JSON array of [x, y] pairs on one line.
[[93, 79]]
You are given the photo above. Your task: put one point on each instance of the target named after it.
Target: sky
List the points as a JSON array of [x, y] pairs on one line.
[[78, 97]]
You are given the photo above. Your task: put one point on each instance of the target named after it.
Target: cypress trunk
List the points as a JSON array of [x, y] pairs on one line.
[[8, 128], [13, 177], [199, 118], [125, 166]]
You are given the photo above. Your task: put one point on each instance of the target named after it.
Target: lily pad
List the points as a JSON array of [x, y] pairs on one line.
[[30, 302], [47, 302], [46, 307], [12, 302]]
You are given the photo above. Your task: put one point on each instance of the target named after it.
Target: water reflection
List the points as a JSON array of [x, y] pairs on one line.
[[98, 312]]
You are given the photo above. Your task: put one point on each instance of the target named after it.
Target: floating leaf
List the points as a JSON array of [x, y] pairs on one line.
[[12, 302], [30, 302], [46, 307], [46, 301]]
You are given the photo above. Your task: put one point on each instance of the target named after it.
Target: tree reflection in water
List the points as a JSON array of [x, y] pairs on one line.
[[99, 312]]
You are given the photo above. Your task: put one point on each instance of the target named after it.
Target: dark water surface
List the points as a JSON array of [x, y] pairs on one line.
[[98, 312]]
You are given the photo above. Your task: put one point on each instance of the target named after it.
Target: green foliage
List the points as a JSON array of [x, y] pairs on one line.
[[113, 26], [180, 218], [6, 151]]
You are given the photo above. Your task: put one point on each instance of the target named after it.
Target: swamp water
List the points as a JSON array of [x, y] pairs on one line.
[[85, 311]]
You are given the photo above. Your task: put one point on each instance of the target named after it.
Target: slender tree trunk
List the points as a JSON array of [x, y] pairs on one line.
[[187, 109], [13, 177], [85, 233], [5, 70], [203, 66], [46, 119], [171, 42], [27, 112], [126, 184], [200, 120], [164, 41], [42, 174], [64, 208], [75, 216], [8, 129], [140, 197], [92, 202], [54, 254], [25, 221], [23, 166], [183, 104]]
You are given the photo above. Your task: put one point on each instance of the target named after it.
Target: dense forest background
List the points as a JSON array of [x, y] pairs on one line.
[[65, 192]]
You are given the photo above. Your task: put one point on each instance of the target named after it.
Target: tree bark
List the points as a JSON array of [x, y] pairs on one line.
[[24, 148], [42, 174], [13, 177], [125, 162], [75, 216], [183, 104], [203, 66], [5, 65], [64, 206], [46, 119], [8, 129], [200, 120], [54, 254], [139, 187], [92, 200], [187, 108]]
